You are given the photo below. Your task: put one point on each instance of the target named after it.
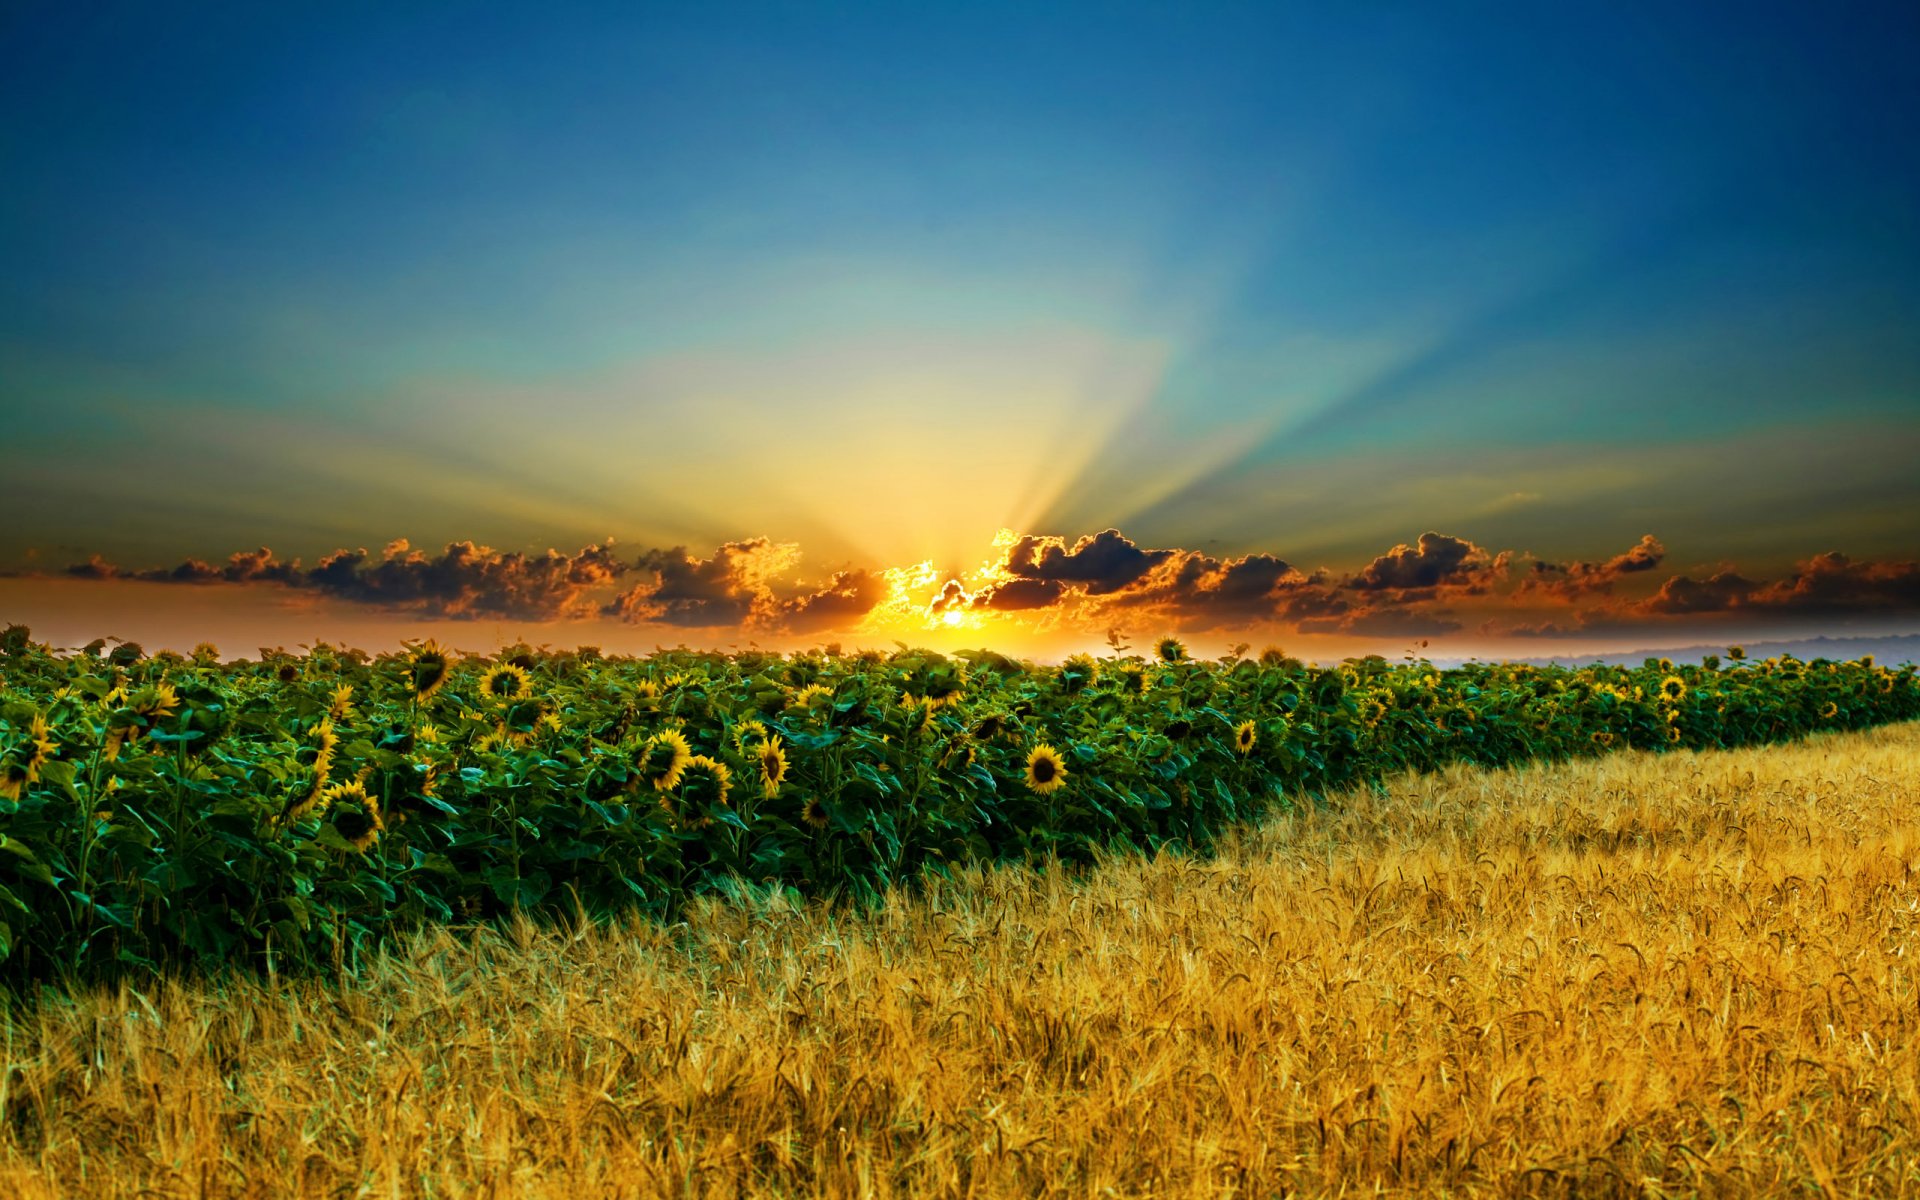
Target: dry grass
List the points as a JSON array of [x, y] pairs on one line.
[[1640, 975]]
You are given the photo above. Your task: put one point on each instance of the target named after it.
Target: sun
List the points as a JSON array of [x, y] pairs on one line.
[[953, 618]]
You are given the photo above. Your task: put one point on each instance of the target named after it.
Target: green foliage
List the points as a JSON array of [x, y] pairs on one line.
[[288, 813]]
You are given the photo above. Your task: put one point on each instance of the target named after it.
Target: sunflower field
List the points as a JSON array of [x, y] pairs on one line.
[[288, 812]]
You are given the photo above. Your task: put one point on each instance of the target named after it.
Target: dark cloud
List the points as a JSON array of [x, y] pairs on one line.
[[1685, 596], [724, 590], [1101, 564], [1572, 580], [845, 598], [1021, 594], [463, 581], [1436, 562], [1833, 583]]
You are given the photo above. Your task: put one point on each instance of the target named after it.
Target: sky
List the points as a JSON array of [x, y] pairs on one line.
[[1342, 327]]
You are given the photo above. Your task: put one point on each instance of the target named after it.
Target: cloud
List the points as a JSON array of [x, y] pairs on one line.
[[1436, 562], [1098, 581], [732, 588], [1834, 583], [463, 581], [1101, 564], [1573, 580]]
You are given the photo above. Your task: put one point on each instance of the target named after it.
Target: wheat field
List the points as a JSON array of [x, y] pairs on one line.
[[1684, 974]]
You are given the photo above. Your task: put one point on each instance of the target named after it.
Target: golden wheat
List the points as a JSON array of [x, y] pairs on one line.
[[1685, 974]]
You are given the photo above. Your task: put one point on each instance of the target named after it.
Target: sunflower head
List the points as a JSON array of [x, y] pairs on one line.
[[745, 732], [156, 701], [427, 669], [360, 823], [814, 812], [1179, 729], [340, 703], [1673, 689], [805, 697], [1602, 737], [1045, 771], [704, 782], [1829, 710], [506, 683], [1170, 649], [1245, 737], [989, 727], [772, 761], [287, 671], [646, 695], [1133, 679], [1673, 734], [1736, 653], [1079, 671], [662, 758]]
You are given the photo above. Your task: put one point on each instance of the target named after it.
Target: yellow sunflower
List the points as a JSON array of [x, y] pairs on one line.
[[427, 669], [805, 697], [705, 781], [1245, 737], [340, 705], [1045, 770], [662, 759], [506, 683], [325, 743], [1170, 649], [814, 812], [360, 828], [13, 778], [646, 694], [156, 701], [1673, 689], [1603, 737], [747, 731], [1673, 733], [1829, 711], [40, 747], [773, 765]]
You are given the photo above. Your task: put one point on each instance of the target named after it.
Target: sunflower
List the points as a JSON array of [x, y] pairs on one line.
[[745, 731], [13, 778], [1603, 737], [773, 765], [1829, 711], [805, 697], [340, 704], [506, 683], [1374, 710], [1133, 679], [814, 812], [646, 694], [705, 781], [662, 759], [1179, 729], [1045, 771], [1245, 737], [1672, 689], [1673, 733], [1170, 649], [156, 701], [40, 747], [427, 669], [1736, 653], [989, 727], [287, 672], [960, 747], [325, 743], [362, 828]]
